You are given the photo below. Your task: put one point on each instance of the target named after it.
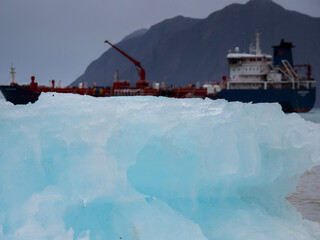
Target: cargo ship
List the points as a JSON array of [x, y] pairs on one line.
[[253, 77], [259, 78], [24, 94]]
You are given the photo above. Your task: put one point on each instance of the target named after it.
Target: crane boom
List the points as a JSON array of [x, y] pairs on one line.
[[142, 73]]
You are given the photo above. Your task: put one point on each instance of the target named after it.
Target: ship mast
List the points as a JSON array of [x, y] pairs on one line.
[[258, 50], [12, 75]]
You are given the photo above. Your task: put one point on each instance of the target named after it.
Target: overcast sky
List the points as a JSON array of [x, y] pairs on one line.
[[57, 39]]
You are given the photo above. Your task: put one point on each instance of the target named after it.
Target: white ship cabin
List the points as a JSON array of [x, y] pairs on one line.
[[255, 70], [248, 68], [251, 70]]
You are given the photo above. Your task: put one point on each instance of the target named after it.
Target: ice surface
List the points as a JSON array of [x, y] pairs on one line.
[[77, 167]]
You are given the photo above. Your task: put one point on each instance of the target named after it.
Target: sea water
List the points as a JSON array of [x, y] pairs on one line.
[[78, 167], [313, 115]]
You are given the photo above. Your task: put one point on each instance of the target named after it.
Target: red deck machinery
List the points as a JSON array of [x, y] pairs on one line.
[[142, 83]]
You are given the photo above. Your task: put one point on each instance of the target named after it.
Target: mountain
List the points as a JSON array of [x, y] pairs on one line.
[[135, 34], [183, 50]]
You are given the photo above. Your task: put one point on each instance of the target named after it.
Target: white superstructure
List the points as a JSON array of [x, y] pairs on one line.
[[250, 70], [255, 70]]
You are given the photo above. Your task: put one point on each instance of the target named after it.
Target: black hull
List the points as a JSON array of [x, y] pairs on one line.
[[291, 100], [18, 95]]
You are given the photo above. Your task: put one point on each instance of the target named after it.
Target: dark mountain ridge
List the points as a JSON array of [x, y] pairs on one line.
[[135, 34], [183, 50]]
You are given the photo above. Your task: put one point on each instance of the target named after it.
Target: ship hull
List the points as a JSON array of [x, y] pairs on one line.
[[291, 100], [18, 95]]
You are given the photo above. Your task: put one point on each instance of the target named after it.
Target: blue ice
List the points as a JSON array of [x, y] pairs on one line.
[[77, 167]]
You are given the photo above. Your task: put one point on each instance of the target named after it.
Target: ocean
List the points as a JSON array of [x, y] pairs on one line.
[[313, 115]]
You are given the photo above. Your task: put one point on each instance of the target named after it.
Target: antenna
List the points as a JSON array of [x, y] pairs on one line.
[[258, 50], [116, 76], [12, 74]]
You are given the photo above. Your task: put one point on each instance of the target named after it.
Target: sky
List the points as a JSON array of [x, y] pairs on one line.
[[58, 39]]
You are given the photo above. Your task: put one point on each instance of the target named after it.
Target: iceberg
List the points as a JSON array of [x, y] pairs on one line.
[[78, 167]]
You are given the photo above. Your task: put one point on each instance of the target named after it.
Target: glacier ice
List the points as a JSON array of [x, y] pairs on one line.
[[77, 167]]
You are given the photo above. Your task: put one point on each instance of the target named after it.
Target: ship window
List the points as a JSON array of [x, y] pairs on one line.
[[259, 59], [233, 60]]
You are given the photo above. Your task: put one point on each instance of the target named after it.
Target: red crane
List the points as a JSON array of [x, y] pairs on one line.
[[142, 83]]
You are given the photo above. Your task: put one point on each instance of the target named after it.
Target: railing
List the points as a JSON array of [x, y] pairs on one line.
[[265, 84], [290, 73]]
